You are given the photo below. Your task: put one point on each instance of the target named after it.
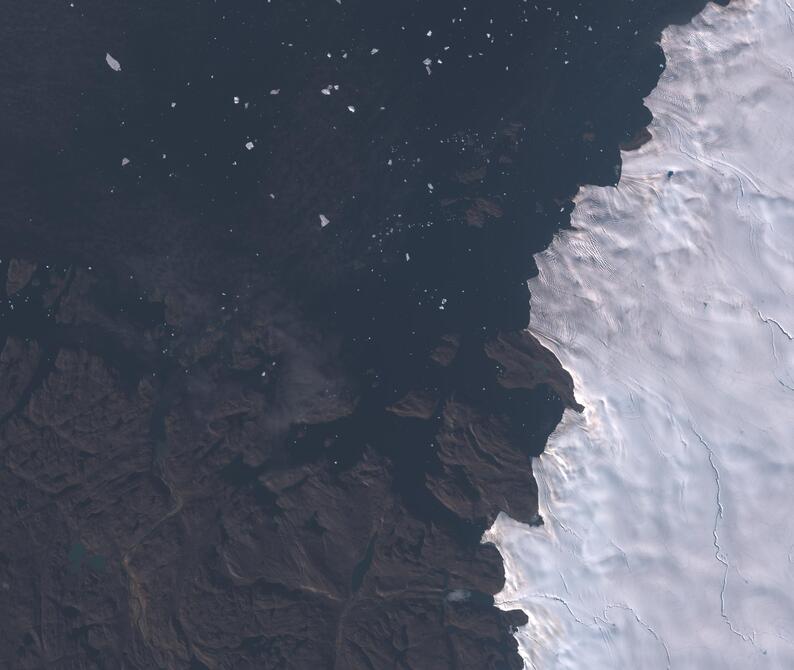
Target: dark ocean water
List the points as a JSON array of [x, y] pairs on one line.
[[207, 274]]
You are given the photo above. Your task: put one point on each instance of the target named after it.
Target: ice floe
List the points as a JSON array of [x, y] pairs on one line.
[[113, 64]]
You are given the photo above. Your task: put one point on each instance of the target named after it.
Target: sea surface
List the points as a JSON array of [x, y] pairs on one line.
[[265, 378], [668, 538]]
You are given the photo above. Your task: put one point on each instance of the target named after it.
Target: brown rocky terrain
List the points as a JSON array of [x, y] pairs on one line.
[[231, 436], [170, 517]]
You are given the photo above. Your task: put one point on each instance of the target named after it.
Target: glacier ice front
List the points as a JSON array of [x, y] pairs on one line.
[[669, 536]]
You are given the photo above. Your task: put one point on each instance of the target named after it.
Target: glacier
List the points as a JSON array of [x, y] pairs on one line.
[[668, 536]]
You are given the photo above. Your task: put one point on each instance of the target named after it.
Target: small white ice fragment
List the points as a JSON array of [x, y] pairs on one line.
[[326, 90], [351, 108], [125, 161], [407, 257], [112, 63], [275, 91], [249, 145], [324, 220], [429, 187], [374, 51], [236, 100], [427, 62]]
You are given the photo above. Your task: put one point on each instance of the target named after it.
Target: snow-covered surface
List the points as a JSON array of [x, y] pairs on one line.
[[669, 504]]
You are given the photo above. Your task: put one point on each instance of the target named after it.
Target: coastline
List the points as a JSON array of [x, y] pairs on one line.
[[667, 302], [265, 373]]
